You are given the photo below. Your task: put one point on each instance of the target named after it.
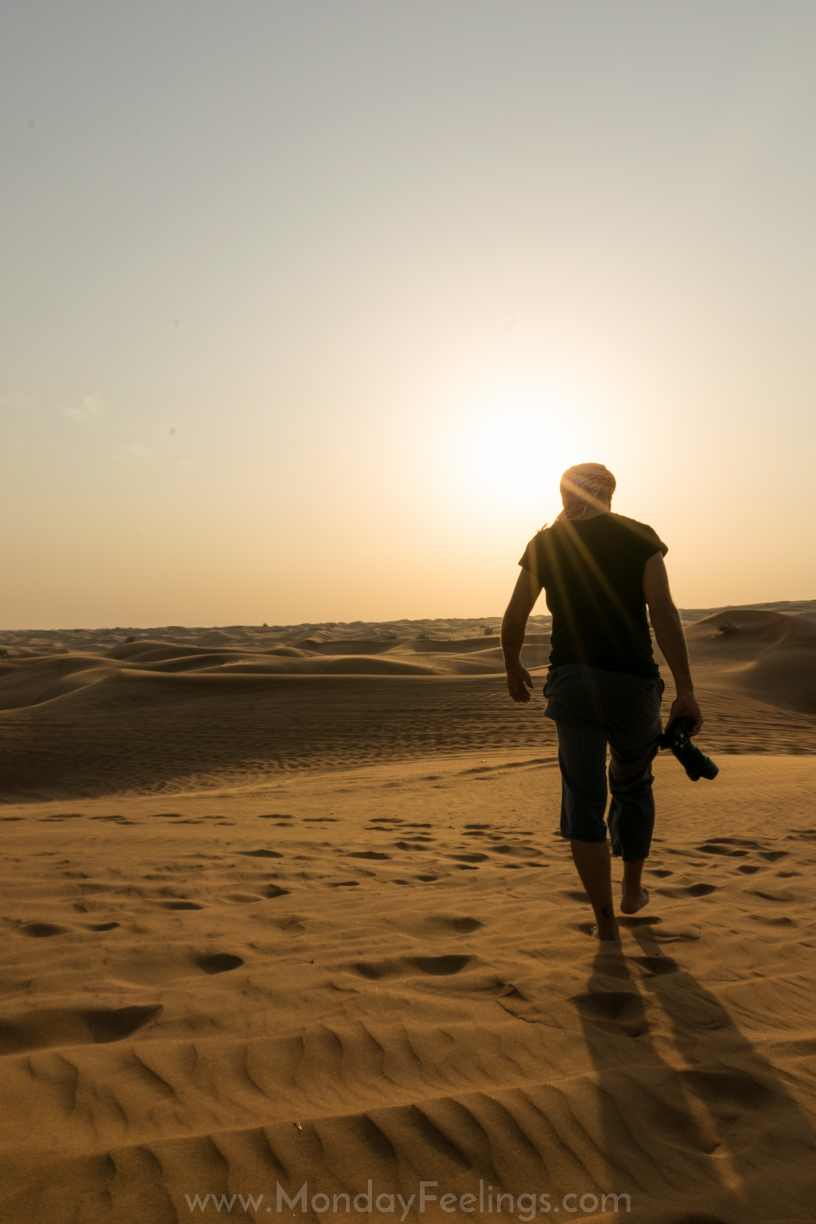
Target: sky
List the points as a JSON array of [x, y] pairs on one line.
[[306, 304]]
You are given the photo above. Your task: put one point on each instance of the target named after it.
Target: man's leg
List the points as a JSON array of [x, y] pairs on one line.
[[632, 810], [595, 869], [582, 758], [631, 823], [633, 895]]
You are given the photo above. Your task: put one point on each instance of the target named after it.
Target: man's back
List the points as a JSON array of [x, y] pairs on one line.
[[592, 572]]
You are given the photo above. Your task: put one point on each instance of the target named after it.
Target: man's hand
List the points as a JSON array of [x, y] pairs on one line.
[[519, 682], [686, 704]]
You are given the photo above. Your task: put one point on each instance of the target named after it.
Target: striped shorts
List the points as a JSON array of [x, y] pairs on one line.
[[593, 707]]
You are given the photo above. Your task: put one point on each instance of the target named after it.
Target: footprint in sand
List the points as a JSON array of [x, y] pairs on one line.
[[181, 905], [656, 966], [715, 848], [468, 858], [103, 926], [440, 966], [219, 962], [42, 930], [66, 1026], [517, 851], [115, 1025], [734, 841], [683, 935], [408, 966], [747, 870], [692, 890], [368, 854], [261, 854]]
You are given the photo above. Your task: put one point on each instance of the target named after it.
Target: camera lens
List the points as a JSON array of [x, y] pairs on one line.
[[696, 763], [676, 737]]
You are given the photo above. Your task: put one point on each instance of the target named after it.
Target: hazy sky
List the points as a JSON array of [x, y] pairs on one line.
[[306, 305]]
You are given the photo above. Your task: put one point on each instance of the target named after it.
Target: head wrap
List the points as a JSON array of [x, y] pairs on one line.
[[580, 485]]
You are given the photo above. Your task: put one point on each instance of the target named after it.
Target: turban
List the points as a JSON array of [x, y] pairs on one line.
[[580, 485]]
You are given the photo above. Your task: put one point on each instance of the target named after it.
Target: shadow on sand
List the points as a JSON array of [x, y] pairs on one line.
[[699, 1126]]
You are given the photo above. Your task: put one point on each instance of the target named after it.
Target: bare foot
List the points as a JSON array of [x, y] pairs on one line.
[[607, 935], [607, 927], [632, 902]]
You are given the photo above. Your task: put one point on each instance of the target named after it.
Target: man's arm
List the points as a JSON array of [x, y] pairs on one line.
[[670, 638], [521, 604]]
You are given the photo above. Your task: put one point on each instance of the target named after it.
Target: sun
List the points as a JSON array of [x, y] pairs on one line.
[[507, 451]]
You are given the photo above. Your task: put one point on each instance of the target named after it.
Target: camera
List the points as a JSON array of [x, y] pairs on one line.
[[677, 737]]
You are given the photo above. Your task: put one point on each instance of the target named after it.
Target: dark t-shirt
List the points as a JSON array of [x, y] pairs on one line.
[[592, 572]]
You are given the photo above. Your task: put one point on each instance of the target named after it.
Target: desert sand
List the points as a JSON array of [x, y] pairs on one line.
[[305, 887]]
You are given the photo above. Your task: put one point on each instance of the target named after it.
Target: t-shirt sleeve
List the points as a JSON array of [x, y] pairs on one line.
[[643, 540], [533, 557], [652, 543]]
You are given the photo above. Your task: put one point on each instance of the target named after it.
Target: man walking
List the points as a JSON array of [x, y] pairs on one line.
[[600, 571]]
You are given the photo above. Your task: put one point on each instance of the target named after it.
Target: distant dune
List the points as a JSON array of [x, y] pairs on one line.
[[768, 655], [93, 713]]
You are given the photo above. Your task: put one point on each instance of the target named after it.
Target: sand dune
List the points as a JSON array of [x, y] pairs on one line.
[[300, 914], [767, 654], [152, 713]]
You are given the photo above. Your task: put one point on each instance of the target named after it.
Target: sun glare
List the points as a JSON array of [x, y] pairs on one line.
[[506, 453]]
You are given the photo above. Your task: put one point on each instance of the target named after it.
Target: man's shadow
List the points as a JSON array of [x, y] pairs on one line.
[[695, 1125]]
